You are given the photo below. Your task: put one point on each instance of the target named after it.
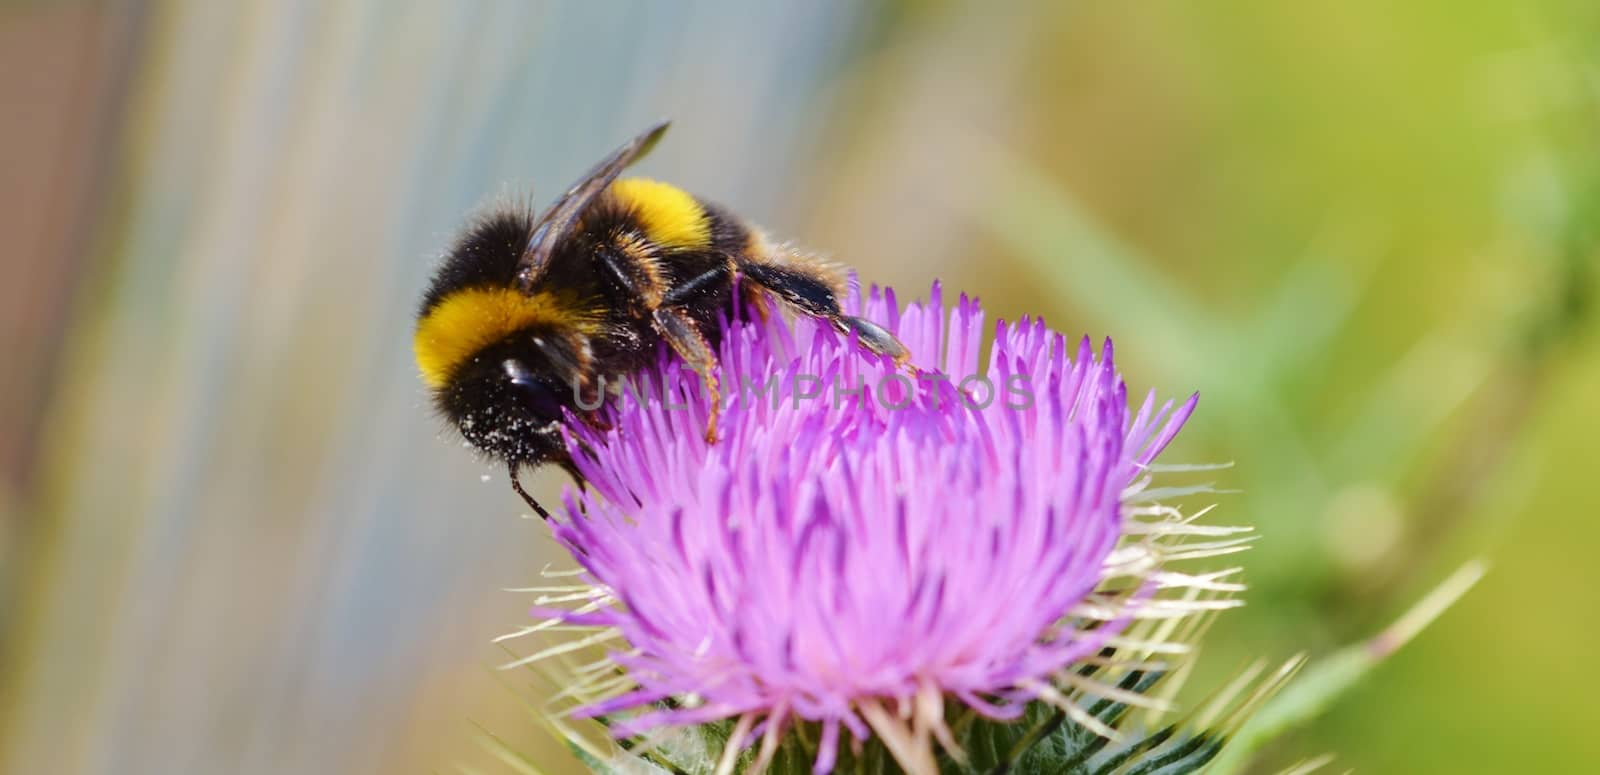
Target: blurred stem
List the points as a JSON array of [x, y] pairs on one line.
[[1324, 682], [1502, 411], [507, 755]]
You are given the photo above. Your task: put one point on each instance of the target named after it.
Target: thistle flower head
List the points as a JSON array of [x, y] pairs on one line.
[[863, 546]]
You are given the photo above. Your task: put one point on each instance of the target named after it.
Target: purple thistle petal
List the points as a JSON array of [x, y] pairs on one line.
[[827, 553]]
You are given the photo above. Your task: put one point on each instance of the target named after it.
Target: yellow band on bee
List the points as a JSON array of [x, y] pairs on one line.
[[471, 319], [669, 216]]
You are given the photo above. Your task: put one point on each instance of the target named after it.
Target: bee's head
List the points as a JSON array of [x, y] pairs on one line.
[[508, 400], [501, 366]]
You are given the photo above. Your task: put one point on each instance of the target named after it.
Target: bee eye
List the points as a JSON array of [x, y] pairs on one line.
[[535, 392]]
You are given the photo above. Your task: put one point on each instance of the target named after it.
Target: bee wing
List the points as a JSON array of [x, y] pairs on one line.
[[564, 213]]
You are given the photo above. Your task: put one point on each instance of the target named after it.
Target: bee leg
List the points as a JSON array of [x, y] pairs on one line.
[[596, 421], [752, 296], [675, 325], [680, 331], [694, 285], [810, 295], [577, 477], [516, 484], [875, 338]]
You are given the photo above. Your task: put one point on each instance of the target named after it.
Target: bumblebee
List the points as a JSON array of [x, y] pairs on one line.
[[526, 313]]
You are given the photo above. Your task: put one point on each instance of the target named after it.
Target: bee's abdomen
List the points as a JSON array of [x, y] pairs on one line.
[[668, 217]]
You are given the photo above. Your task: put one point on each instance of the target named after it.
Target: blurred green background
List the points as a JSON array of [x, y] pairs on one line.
[[234, 541]]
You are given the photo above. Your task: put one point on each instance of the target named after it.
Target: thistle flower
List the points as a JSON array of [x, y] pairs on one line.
[[862, 546]]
